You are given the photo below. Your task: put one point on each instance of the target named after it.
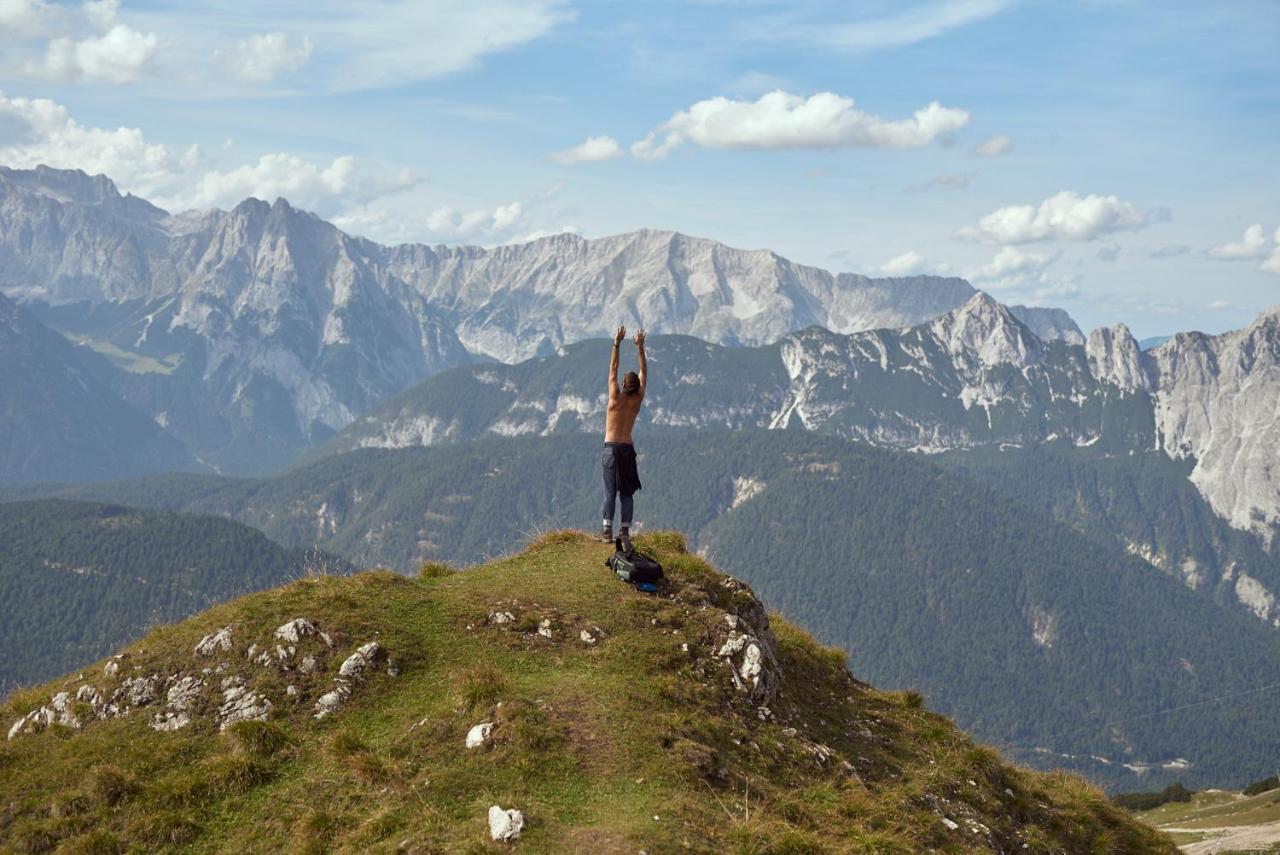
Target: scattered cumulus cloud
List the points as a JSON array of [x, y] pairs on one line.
[[996, 146], [1014, 272], [903, 265], [263, 57], [1063, 216], [1252, 245], [323, 188], [781, 120], [84, 44], [1170, 251], [1109, 252], [591, 150], [1271, 264], [172, 178]]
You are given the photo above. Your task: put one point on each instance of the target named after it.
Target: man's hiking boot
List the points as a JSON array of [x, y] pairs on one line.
[[605, 535], [624, 541]]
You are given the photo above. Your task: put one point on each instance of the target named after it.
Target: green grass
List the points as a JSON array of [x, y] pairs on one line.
[[630, 743], [134, 363], [1217, 809]]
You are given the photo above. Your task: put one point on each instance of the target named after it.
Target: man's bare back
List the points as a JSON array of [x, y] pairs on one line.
[[624, 405], [621, 479]]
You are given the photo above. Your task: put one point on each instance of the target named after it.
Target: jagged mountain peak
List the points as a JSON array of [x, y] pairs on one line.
[[1114, 356], [987, 329]]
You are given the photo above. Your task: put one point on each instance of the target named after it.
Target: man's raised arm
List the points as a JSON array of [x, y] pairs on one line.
[[613, 362], [644, 364]]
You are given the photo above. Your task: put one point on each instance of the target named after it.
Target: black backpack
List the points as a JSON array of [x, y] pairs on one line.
[[631, 566]]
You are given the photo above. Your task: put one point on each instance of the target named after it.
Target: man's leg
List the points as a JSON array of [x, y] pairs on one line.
[[610, 494], [628, 504]]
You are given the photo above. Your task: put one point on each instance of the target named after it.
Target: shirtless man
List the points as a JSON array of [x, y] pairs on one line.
[[620, 475]]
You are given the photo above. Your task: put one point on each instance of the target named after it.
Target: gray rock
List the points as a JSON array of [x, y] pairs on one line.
[[241, 704], [479, 734], [358, 665], [505, 825], [214, 642], [295, 630]]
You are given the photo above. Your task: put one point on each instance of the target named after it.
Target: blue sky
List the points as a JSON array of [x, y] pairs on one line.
[[1131, 148]]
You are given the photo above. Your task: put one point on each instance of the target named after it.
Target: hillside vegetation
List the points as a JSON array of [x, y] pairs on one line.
[[1045, 639], [621, 721], [79, 579]]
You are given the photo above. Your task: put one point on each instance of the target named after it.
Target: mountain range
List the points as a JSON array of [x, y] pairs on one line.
[[253, 333], [973, 377]]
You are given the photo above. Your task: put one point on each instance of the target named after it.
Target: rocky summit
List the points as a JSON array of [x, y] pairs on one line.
[[534, 703]]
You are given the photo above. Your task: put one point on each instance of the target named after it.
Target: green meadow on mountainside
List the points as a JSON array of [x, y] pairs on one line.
[[621, 721]]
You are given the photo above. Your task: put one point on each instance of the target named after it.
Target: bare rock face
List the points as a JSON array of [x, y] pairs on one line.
[[748, 647], [1216, 402], [241, 704], [180, 704], [1114, 356]]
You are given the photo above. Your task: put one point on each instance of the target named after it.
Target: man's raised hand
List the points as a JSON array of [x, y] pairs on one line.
[[639, 339], [619, 336]]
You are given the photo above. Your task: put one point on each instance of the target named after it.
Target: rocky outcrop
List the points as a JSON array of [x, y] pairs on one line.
[[1218, 403], [243, 687], [355, 669], [746, 645], [1114, 356]]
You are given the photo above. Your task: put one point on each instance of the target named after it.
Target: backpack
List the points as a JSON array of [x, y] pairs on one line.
[[634, 567]]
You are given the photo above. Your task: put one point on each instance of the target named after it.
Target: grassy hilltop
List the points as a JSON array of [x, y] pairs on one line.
[[622, 722]]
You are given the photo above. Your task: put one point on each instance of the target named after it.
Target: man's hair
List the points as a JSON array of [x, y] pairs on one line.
[[630, 383]]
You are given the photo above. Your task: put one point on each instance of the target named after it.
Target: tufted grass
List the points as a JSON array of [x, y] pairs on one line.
[[592, 742]]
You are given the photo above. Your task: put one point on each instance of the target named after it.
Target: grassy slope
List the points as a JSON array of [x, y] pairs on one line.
[[1216, 809], [625, 745]]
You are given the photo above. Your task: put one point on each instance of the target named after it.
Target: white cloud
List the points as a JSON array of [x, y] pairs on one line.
[[50, 136], [1172, 250], [376, 44], [1109, 252], [996, 146], [591, 150], [483, 224], [1063, 216], [24, 17], [1011, 261], [1251, 245], [1271, 264], [90, 45], [1026, 275], [903, 265], [53, 138], [263, 57], [916, 25], [780, 120], [325, 189], [101, 13], [118, 56]]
